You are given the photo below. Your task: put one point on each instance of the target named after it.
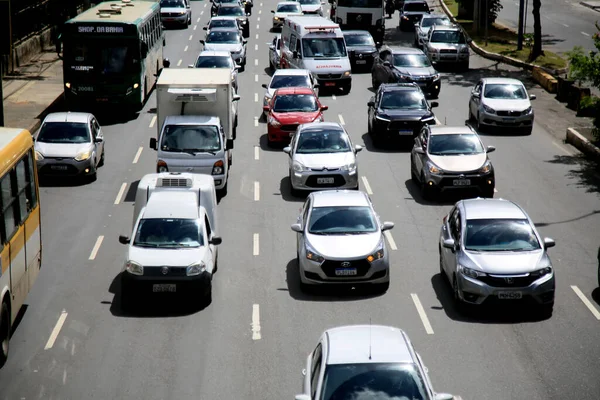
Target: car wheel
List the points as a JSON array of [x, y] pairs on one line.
[[4, 333], [271, 66], [470, 118], [127, 296], [599, 273], [435, 95], [216, 268], [223, 192], [101, 163], [528, 130], [413, 174], [93, 175], [480, 126], [460, 305], [346, 89]]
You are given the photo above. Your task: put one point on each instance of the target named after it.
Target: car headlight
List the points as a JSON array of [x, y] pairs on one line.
[[464, 50], [471, 273], [488, 110], [541, 272], [218, 168], [299, 167], [436, 77], [528, 111], [275, 18], [273, 122], [434, 169], [487, 167], [84, 155], [195, 269], [313, 255], [382, 118], [378, 254], [347, 73], [38, 156], [350, 167], [134, 268]]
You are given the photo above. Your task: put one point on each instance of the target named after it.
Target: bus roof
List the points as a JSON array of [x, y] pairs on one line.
[[132, 12], [190, 76], [14, 143]]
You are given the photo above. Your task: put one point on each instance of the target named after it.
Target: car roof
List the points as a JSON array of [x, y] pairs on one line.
[[320, 125], [221, 18], [404, 50], [68, 116], [166, 204], [446, 27], [435, 15], [293, 90], [291, 71], [510, 81], [192, 120], [389, 87], [341, 198], [356, 32], [361, 344], [219, 53], [450, 130], [492, 209], [225, 5], [281, 3]]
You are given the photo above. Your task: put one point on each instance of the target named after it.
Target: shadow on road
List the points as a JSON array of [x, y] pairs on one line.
[[585, 172], [392, 146], [441, 200], [285, 189]]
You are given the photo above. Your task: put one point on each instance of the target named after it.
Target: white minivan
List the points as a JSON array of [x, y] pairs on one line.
[[317, 44]]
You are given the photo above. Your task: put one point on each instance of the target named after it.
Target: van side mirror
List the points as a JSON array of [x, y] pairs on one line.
[[124, 239], [229, 144], [358, 148], [316, 86], [266, 108], [166, 63], [205, 28], [215, 240], [297, 228], [272, 11], [153, 144], [202, 41], [287, 149], [191, 66], [264, 85], [532, 97]]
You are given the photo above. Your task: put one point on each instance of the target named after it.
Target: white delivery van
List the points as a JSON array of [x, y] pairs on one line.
[[174, 238], [317, 44], [197, 91]]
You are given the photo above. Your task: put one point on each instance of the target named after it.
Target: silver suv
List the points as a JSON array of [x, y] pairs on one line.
[[447, 44]]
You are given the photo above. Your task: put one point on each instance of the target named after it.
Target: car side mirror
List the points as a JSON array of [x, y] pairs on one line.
[[124, 239], [387, 64], [266, 108], [205, 28], [549, 243], [469, 40], [166, 63], [264, 85], [237, 67], [419, 150], [215, 240], [244, 40], [295, 54], [387, 226], [358, 148], [490, 149], [475, 94], [443, 396], [434, 104], [287, 149], [202, 41], [236, 97], [449, 244], [153, 144], [371, 103], [431, 10], [191, 66], [229, 144], [532, 97], [303, 396], [324, 108], [316, 86], [272, 11], [378, 45], [297, 228], [98, 139]]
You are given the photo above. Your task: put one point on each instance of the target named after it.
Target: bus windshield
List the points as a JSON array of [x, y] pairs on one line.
[[323, 48], [102, 57], [361, 3]]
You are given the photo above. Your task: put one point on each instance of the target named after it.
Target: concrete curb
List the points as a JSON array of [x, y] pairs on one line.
[[545, 80], [582, 144], [585, 4], [37, 122]]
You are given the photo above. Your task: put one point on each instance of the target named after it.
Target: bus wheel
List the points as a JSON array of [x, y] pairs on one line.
[[4, 333]]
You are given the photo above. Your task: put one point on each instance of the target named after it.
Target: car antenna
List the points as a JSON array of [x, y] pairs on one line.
[[369, 338]]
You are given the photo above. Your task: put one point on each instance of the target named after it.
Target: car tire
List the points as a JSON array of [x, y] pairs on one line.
[[470, 118], [346, 89], [216, 267], [599, 273], [207, 298], [528, 130], [101, 162], [189, 20], [375, 84], [127, 297], [460, 306], [4, 333], [480, 128], [413, 174], [464, 66], [442, 272], [223, 192], [93, 175]]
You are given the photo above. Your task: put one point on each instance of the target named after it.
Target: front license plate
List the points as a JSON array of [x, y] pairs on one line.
[[461, 182], [404, 132], [510, 295], [508, 120], [168, 287], [59, 167], [323, 181], [345, 271], [361, 61], [329, 83]]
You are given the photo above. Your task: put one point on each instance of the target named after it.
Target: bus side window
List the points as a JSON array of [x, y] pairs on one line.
[[8, 207], [22, 184], [31, 178]]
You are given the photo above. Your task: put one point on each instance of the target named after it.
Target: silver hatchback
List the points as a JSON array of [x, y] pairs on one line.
[[490, 250]]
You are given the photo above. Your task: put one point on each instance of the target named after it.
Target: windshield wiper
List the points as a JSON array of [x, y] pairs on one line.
[[142, 244], [196, 151]]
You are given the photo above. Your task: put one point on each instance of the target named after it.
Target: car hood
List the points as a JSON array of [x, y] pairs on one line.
[[286, 14], [172, 9], [231, 47], [505, 262], [362, 49], [458, 163], [327, 160], [152, 257], [295, 117], [416, 71], [67, 150], [409, 115], [344, 246], [310, 7], [507, 105]]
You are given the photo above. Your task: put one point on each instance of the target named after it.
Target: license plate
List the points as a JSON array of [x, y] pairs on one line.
[[324, 180], [510, 295], [461, 182], [345, 271], [361, 61], [160, 288], [59, 167], [403, 132], [329, 83], [508, 120]]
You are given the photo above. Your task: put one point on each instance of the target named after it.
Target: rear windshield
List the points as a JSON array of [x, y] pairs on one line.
[[280, 81], [295, 103]]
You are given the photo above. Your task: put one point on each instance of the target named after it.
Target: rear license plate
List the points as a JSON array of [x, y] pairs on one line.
[[404, 132], [59, 167], [160, 288], [361, 61], [345, 271], [329, 83], [461, 182], [510, 295], [323, 181]]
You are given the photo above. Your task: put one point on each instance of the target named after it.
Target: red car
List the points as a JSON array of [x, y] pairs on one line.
[[290, 107]]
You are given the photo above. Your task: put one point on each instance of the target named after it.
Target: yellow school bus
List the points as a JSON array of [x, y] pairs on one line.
[[20, 235]]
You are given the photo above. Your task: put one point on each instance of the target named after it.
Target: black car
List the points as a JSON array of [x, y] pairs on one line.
[[361, 47], [233, 10], [398, 110], [412, 12], [405, 64]]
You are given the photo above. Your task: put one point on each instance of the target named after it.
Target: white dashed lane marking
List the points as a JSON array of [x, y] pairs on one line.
[[54, 334]]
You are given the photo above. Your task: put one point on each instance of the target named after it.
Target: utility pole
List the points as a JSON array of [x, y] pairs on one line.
[[1, 92], [521, 18]]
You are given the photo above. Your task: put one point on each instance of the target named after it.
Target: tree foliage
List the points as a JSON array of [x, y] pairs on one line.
[[585, 66], [494, 7]]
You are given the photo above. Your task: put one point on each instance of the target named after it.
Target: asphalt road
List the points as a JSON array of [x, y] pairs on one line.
[[565, 23], [252, 341]]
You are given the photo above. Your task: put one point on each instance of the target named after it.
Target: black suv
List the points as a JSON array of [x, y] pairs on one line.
[[398, 110], [233, 10], [412, 12]]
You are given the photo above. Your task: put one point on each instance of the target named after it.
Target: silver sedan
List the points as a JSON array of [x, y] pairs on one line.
[[340, 241]]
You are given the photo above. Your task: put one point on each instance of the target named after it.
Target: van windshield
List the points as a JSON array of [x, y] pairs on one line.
[[191, 138], [323, 48], [169, 233]]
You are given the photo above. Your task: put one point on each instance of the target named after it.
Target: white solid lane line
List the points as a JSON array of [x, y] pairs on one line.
[[137, 155], [153, 121], [587, 303], [56, 330], [121, 192], [256, 322], [390, 239], [179, 62], [366, 185], [94, 252], [341, 119], [563, 149], [255, 245], [256, 191], [422, 314], [256, 152]]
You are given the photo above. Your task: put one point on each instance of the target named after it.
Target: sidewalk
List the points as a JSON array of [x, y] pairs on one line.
[[31, 90]]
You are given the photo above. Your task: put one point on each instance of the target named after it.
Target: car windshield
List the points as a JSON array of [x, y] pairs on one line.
[[416, 7], [411, 60], [295, 103], [323, 48], [306, 2], [381, 381], [403, 99], [359, 40], [318, 141], [233, 11], [223, 23], [223, 37], [64, 132], [341, 220], [288, 8], [427, 22], [449, 145], [191, 138], [447, 37], [500, 235], [280, 81], [214, 62], [172, 3], [169, 232], [504, 91]]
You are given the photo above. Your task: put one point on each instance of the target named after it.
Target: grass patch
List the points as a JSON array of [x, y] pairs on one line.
[[502, 40]]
